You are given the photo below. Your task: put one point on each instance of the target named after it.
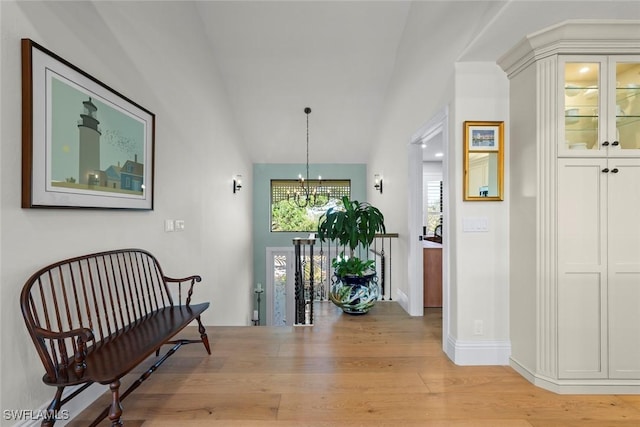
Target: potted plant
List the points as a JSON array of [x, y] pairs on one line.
[[353, 225]]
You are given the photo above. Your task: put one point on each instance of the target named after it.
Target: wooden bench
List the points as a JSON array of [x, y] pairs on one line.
[[95, 317]]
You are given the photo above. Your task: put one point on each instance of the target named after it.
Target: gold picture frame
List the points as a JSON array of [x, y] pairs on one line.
[[483, 161]]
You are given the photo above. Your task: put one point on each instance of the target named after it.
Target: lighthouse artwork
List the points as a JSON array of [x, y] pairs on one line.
[[106, 152], [85, 145]]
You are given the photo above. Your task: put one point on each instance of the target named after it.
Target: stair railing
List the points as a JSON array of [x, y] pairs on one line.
[[313, 272]]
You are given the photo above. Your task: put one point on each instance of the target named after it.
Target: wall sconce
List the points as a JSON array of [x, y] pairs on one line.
[[237, 183], [377, 179]]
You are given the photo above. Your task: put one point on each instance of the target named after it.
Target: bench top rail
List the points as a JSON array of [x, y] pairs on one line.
[[72, 305]]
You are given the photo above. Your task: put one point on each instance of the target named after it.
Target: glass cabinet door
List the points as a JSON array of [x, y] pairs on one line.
[[627, 104], [601, 106], [582, 106]]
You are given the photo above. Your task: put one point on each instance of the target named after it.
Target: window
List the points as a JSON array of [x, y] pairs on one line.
[[286, 215], [434, 206]]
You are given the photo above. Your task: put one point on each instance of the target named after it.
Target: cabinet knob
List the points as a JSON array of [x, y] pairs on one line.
[[614, 143], [614, 170], [606, 143], [605, 170]]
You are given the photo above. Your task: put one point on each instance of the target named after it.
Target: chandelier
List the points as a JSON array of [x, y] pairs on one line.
[[307, 196]]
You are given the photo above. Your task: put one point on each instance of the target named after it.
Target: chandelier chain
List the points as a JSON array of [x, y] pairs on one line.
[[305, 197]]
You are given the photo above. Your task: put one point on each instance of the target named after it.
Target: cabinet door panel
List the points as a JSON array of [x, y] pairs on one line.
[[581, 352], [624, 326], [581, 215], [582, 280], [624, 268]]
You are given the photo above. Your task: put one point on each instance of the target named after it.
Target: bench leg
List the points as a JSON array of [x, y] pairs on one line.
[[115, 412], [203, 336], [53, 409]]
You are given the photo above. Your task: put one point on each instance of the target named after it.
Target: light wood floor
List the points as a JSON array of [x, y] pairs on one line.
[[382, 369]]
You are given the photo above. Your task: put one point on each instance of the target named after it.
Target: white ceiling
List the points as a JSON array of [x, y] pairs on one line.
[[339, 58]]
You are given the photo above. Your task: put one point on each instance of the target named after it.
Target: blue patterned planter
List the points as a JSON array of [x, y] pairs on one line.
[[355, 294]]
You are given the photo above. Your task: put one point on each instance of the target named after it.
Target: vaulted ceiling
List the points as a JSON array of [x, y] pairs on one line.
[[340, 59]]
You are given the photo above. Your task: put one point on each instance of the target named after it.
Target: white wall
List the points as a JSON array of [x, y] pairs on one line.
[[421, 85], [481, 270], [156, 54], [478, 275]]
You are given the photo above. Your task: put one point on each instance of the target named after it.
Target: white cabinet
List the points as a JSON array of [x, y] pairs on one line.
[[598, 241], [574, 198], [598, 231]]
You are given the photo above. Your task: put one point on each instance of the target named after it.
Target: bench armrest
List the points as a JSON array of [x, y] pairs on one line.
[[83, 334], [82, 337], [192, 279]]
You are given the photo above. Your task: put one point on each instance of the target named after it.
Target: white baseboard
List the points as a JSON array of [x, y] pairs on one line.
[[403, 300], [478, 353], [594, 386]]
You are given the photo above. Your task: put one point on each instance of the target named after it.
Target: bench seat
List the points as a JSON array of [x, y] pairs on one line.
[[118, 354]]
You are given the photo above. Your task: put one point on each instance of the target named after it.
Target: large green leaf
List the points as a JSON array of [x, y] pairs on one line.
[[355, 224]]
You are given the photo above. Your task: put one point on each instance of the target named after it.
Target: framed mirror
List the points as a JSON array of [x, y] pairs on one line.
[[483, 161]]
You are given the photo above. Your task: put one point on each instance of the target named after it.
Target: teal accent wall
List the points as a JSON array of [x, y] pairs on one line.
[[262, 236]]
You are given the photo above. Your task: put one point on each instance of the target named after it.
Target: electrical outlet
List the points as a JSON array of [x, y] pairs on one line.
[[477, 327]]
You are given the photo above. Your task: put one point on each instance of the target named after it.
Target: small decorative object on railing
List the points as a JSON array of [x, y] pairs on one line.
[[256, 313]]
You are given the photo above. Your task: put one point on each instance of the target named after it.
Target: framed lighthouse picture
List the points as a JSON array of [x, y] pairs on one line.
[[84, 145]]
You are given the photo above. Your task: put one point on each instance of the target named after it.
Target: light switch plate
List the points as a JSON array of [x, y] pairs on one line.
[[475, 224]]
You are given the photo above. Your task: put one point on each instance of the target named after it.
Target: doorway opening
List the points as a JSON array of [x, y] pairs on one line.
[[428, 160]]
